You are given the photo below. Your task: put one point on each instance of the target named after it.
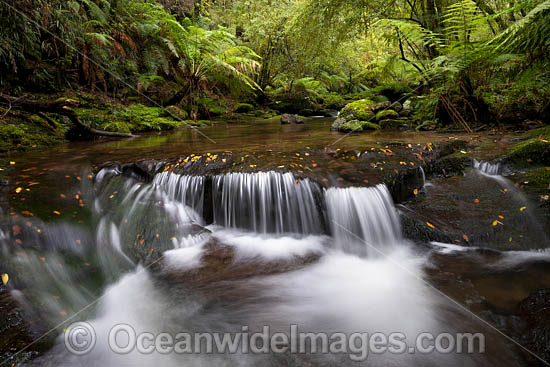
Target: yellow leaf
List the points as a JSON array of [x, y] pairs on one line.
[[56, 212], [522, 208], [12, 163], [5, 278], [415, 191], [430, 225], [18, 190]]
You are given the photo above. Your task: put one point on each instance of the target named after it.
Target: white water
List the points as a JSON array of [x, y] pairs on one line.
[[363, 221], [365, 280], [266, 202]]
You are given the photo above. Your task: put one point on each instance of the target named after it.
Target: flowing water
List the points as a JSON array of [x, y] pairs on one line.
[[186, 253]]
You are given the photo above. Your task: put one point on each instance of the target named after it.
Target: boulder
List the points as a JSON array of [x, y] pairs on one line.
[[243, 107], [380, 98], [381, 106], [359, 110], [287, 119], [396, 106], [386, 114], [390, 124]]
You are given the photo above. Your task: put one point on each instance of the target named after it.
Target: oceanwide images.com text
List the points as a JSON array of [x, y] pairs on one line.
[[80, 339]]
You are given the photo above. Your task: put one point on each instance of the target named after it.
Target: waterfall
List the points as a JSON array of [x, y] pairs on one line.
[[266, 202], [489, 169], [187, 189], [362, 220]]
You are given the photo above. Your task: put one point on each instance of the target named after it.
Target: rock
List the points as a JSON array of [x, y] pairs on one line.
[[407, 105], [219, 263], [405, 113], [359, 110], [337, 123], [381, 106], [535, 311], [380, 98], [243, 107], [396, 106], [386, 114], [390, 124], [353, 126], [367, 125], [427, 126], [531, 151], [291, 119]]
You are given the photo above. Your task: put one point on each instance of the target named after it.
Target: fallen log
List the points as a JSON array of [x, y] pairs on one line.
[[60, 107]]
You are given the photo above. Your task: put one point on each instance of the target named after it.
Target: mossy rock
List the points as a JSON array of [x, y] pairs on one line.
[[390, 124], [351, 126], [539, 177], [243, 107], [358, 110], [380, 98], [369, 125], [534, 150], [386, 114]]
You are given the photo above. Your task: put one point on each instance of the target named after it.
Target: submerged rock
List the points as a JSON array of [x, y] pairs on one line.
[[287, 119]]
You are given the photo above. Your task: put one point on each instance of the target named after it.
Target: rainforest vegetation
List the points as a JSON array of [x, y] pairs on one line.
[[71, 68]]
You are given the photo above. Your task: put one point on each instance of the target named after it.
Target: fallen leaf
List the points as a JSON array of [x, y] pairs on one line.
[[5, 278], [522, 208], [18, 190], [466, 238], [476, 201], [430, 225], [12, 163], [415, 191], [56, 212]]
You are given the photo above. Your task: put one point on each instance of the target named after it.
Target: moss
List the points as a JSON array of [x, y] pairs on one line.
[[369, 125], [351, 126], [535, 149], [386, 114], [243, 107], [358, 110], [379, 99], [539, 177], [390, 123], [28, 134]]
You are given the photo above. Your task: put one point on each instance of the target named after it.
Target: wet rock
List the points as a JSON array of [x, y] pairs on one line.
[[219, 263], [287, 119], [535, 312], [531, 151], [414, 227], [390, 124], [137, 171], [359, 110], [447, 167]]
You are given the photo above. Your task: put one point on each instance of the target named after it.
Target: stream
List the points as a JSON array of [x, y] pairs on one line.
[[271, 226]]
